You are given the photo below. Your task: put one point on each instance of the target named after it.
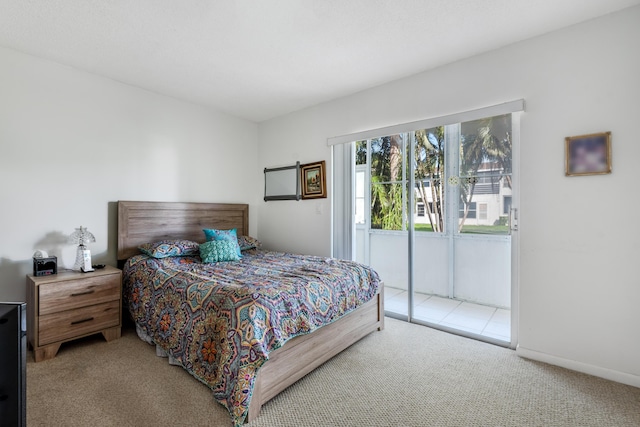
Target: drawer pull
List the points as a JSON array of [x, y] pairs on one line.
[[77, 294], [77, 322]]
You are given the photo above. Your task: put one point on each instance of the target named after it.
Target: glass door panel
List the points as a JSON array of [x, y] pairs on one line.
[[430, 242], [431, 213], [481, 267], [385, 242], [428, 170], [485, 182], [462, 271]]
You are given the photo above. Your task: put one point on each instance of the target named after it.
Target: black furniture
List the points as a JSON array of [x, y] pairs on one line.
[[13, 364]]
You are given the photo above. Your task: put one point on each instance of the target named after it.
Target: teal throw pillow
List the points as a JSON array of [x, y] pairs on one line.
[[218, 250], [229, 235]]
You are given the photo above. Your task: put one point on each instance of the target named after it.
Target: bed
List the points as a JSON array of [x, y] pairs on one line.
[[277, 353]]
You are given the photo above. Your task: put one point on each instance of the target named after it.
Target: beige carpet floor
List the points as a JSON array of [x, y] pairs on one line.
[[406, 375]]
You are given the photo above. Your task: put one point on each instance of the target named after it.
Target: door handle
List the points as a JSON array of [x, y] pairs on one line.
[[513, 219]]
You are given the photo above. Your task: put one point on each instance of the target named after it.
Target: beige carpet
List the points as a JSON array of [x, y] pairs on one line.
[[406, 375]]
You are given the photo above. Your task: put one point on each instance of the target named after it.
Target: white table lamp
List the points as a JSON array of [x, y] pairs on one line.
[[83, 255]]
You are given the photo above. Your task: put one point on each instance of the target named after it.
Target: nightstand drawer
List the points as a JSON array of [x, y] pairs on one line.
[[57, 297], [81, 321]]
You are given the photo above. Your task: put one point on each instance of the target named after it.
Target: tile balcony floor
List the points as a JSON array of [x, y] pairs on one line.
[[465, 316]]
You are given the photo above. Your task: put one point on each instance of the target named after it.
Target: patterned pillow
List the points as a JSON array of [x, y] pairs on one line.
[[167, 248], [219, 250], [248, 242], [230, 235]]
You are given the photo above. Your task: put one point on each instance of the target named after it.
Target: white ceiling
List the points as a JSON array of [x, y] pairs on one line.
[[259, 59]]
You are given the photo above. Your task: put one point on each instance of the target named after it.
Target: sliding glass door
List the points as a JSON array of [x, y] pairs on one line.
[[433, 217]]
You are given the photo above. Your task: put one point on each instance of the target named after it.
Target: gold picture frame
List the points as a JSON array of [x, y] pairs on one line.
[[312, 178], [588, 154]]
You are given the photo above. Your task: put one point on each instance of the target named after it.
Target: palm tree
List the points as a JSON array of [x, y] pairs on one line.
[[483, 142], [480, 146], [386, 193], [429, 167], [499, 148]]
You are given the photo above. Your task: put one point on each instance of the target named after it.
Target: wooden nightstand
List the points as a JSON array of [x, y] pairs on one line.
[[70, 305]]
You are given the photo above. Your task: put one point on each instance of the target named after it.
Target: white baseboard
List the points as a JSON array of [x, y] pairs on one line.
[[609, 374]]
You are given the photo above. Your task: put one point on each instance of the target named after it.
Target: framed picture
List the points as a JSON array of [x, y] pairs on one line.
[[588, 154], [313, 180]]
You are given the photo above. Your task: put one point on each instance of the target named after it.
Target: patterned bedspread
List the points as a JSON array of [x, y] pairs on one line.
[[221, 320]]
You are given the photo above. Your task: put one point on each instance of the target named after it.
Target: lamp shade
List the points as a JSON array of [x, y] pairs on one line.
[[81, 236]]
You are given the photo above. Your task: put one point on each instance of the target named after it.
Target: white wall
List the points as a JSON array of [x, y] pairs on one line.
[[579, 287], [72, 144]]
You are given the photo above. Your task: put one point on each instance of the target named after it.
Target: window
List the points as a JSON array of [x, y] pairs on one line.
[[388, 198], [506, 205], [482, 211], [361, 185], [485, 162], [360, 200], [429, 166], [482, 150], [354, 149], [361, 152], [471, 210]]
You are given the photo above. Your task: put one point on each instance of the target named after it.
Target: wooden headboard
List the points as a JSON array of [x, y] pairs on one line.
[[144, 222]]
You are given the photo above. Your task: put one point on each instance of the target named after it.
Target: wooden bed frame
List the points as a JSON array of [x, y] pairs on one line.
[[142, 222]]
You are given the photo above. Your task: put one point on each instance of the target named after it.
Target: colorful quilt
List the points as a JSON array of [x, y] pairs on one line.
[[221, 320]]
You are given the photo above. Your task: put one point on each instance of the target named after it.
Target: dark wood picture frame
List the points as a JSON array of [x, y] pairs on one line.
[[313, 180], [588, 154]]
